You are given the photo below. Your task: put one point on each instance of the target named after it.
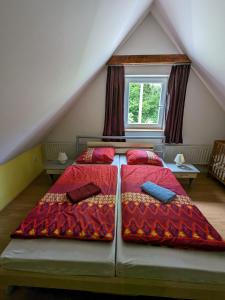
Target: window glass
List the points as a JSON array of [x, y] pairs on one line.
[[144, 101]]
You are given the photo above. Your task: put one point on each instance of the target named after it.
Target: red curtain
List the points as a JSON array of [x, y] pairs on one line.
[[175, 100], [114, 102]]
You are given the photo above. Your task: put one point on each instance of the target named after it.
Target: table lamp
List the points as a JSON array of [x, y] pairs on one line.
[[62, 157], [179, 159]]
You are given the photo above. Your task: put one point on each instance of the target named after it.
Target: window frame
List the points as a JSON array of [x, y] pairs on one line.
[[163, 79]]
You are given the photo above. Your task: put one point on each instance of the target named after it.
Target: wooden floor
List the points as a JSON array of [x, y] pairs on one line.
[[49, 294], [209, 195], [13, 214], [206, 192]]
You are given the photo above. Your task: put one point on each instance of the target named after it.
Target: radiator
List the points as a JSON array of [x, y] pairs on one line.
[[194, 154], [52, 149]]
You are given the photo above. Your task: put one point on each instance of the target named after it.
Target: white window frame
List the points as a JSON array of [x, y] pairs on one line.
[[163, 79]]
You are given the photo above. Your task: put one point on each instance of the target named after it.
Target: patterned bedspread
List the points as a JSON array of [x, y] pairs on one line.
[[55, 216], [145, 219]]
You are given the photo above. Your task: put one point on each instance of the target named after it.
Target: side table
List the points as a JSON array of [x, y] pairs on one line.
[[53, 167], [183, 171]]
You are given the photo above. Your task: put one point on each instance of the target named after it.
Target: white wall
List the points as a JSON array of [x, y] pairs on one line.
[[86, 116], [49, 50], [148, 38], [198, 28], [204, 120]]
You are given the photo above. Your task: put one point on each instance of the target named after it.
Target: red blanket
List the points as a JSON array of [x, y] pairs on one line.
[[91, 219], [178, 223]]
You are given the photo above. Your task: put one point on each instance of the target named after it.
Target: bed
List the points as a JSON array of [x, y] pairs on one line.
[[163, 263], [68, 256], [114, 267], [217, 161]]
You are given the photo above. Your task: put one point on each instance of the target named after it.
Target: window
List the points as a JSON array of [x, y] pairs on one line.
[[145, 101]]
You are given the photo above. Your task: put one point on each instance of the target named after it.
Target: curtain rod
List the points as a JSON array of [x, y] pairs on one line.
[[150, 64], [152, 59]]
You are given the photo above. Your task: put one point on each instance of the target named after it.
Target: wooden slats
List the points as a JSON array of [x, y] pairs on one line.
[[217, 161], [120, 144], [148, 59]]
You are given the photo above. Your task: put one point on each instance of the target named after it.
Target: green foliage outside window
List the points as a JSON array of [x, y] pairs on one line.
[[150, 102]]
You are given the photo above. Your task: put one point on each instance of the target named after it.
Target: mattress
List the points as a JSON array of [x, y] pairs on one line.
[[164, 263], [154, 262], [62, 257]]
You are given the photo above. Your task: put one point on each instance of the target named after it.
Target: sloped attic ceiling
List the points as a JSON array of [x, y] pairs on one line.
[[49, 50], [198, 29]]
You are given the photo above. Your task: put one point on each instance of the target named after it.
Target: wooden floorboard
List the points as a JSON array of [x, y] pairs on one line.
[[207, 193], [13, 214]]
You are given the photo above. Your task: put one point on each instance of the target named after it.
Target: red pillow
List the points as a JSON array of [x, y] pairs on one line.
[[97, 156], [84, 192], [142, 157]]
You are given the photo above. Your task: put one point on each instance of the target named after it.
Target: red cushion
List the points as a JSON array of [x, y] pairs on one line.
[[83, 192], [142, 157], [97, 156]]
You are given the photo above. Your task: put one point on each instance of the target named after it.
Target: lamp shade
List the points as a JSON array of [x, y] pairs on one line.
[[62, 157], [179, 159]]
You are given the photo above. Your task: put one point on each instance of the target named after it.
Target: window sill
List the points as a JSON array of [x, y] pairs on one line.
[[143, 130]]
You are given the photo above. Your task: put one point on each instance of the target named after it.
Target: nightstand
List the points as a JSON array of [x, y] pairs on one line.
[[53, 167], [184, 171]]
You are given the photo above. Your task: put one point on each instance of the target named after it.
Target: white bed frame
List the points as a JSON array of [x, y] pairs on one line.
[[114, 285]]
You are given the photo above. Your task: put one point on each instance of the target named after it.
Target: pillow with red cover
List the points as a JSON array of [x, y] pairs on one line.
[[97, 156], [143, 157]]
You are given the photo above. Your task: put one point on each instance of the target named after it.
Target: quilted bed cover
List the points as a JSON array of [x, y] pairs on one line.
[[178, 223], [55, 216]]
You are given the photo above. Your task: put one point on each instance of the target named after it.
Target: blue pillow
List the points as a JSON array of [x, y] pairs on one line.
[[158, 192]]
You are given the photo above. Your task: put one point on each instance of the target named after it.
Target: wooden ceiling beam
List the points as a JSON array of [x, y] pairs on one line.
[[148, 59]]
